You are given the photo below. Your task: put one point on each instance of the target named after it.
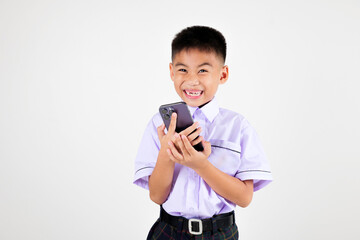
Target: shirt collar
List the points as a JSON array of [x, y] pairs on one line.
[[210, 110]]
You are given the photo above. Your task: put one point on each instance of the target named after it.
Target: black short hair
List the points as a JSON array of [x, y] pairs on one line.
[[199, 37]]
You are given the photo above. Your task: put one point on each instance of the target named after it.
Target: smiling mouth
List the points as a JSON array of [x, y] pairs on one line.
[[193, 93]]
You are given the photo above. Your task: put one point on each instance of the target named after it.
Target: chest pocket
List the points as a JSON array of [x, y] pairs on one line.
[[225, 156]]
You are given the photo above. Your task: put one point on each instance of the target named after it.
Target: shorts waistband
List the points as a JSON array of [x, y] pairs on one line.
[[198, 226]]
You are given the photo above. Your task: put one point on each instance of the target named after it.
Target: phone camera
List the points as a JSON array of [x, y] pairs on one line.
[[164, 111], [167, 112]]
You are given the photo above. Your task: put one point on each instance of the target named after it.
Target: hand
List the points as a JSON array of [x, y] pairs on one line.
[[171, 134], [189, 156], [192, 133]]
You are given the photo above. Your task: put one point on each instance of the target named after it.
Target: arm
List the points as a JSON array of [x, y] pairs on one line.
[[231, 188], [162, 175], [161, 178]]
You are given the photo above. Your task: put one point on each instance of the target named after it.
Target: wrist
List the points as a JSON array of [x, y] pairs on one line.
[[201, 169], [163, 155]]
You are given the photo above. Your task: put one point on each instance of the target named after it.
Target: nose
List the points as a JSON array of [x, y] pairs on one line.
[[193, 80]]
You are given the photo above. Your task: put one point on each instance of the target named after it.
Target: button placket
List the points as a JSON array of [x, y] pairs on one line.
[[191, 191]]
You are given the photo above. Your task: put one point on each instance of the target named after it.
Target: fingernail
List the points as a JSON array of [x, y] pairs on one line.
[[176, 135]]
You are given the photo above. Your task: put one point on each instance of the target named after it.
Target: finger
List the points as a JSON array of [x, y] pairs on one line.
[[171, 156], [174, 151], [172, 125], [195, 134], [175, 140], [160, 130], [187, 146], [190, 129], [180, 145], [207, 147], [174, 137], [196, 141]]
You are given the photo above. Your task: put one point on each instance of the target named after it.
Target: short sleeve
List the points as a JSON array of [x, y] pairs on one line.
[[253, 162], [147, 153]]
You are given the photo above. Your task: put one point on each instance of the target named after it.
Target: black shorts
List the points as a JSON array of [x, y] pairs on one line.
[[164, 231]]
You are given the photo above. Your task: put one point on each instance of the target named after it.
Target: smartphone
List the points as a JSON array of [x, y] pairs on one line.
[[183, 121]]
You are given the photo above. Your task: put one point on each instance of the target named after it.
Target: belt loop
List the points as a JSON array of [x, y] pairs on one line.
[[180, 224], [214, 226]]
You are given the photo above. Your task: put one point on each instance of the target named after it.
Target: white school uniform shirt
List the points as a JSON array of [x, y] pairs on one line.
[[235, 150]]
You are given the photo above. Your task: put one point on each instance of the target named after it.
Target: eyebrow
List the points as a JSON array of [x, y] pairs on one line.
[[180, 64], [205, 64], [201, 65]]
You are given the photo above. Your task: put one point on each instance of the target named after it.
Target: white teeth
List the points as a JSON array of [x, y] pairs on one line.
[[193, 93]]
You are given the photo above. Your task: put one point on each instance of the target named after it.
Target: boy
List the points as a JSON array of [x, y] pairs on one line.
[[198, 191]]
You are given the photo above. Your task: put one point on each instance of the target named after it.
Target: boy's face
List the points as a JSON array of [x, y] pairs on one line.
[[196, 75]]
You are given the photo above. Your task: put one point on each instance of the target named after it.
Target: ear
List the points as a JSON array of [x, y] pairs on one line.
[[171, 67], [224, 75]]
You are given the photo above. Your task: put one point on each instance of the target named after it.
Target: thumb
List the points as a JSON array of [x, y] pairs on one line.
[[160, 130]]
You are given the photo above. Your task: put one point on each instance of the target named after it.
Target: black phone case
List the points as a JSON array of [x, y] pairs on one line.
[[183, 121]]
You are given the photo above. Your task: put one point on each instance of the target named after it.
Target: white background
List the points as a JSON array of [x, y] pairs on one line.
[[79, 80]]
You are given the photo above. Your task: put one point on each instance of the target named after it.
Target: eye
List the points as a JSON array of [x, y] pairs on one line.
[[182, 70], [202, 71]]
